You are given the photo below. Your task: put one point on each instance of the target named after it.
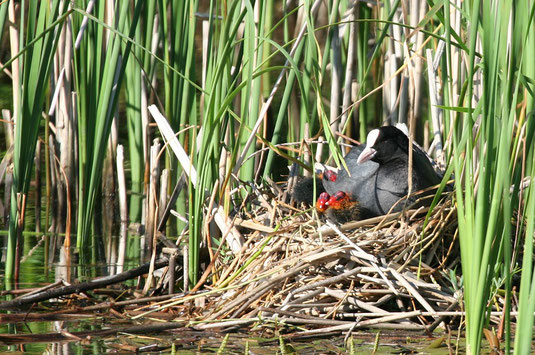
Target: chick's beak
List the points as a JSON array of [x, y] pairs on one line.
[[367, 154], [323, 202]]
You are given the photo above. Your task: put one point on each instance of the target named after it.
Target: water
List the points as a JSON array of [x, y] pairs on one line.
[[34, 273], [191, 342]]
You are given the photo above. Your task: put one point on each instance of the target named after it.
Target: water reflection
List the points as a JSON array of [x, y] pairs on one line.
[[39, 266], [39, 269]]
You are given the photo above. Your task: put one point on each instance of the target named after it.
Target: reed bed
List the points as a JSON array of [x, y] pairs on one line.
[[238, 80]]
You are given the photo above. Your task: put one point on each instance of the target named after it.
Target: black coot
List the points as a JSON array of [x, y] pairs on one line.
[[388, 147], [375, 180]]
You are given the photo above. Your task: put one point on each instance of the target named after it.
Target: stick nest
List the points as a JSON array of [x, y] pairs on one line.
[[297, 268]]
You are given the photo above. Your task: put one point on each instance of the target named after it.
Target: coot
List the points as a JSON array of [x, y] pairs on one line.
[[388, 147], [339, 207], [375, 180]]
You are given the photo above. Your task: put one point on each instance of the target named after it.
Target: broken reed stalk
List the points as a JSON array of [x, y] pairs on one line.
[[152, 195], [7, 193], [54, 178], [351, 61], [185, 263], [171, 271], [37, 198], [8, 127], [162, 199], [123, 209]]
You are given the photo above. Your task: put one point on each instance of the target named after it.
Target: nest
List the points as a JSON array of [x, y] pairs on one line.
[[298, 269]]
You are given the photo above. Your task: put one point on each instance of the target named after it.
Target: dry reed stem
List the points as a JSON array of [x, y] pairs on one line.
[[232, 236]]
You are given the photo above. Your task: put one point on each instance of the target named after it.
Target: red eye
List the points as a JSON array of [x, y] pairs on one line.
[[330, 175], [339, 196]]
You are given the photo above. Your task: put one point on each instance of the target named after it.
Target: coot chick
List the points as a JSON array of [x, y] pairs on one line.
[[303, 190], [339, 207], [389, 148]]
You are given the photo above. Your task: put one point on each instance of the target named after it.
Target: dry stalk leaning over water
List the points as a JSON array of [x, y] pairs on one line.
[[50, 291]]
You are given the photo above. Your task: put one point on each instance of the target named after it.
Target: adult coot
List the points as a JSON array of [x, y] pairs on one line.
[[389, 148], [375, 180]]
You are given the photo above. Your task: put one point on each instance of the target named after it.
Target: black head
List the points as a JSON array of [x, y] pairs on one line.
[[383, 144]]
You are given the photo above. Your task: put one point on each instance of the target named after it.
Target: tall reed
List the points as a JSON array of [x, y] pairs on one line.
[[41, 26], [100, 63], [182, 65], [139, 78], [489, 167]]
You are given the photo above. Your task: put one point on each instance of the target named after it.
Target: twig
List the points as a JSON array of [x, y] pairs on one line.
[[363, 254], [82, 287], [322, 283], [411, 290], [364, 222], [258, 292], [224, 323], [352, 300]]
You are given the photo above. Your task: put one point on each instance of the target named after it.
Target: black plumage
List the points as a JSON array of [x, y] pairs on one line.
[[375, 180], [389, 148], [358, 182], [303, 190]]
